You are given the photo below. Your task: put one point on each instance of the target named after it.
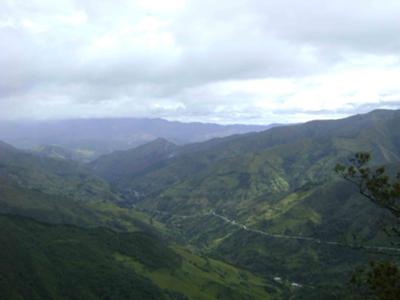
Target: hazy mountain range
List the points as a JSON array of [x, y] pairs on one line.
[[280, 182], [85, 139], [255, 216]]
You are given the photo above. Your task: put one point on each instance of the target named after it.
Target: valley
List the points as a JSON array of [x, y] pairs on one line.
[[199, 150], [254, 216]]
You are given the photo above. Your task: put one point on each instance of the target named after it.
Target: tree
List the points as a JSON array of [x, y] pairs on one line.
[[381, 280], [373, 183]]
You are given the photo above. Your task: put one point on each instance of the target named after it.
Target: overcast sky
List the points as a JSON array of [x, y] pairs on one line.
[[225, 61]]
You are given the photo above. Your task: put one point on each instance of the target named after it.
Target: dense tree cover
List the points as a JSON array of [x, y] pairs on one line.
[[48, 261], [45, 261], [373, 183], [278, 183], [381, 280]]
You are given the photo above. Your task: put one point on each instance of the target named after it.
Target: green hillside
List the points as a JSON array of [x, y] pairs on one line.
[[60, 257], [58, 152], [266, 164], [61, 191], [43, 261], [268, 203], [119, 166], [52, 176], [280, 181]]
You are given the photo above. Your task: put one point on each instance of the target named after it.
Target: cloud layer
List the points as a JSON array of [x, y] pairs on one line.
[[240, 61]]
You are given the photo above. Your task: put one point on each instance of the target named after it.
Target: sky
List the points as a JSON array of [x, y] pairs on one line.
[[236, 61]]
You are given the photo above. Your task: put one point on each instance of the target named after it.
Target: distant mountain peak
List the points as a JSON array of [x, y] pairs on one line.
[[162, 141], [7, 148], [105, 135], [5, 145]]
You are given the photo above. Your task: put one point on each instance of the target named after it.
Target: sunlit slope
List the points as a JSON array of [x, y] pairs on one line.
[[237, 174], [281, 181]]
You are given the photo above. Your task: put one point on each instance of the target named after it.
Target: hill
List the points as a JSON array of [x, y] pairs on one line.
[[278, 182], [63, 192], [120, 165], [53, 176], [57, 152], [59, 260], [43, 261], [277, 161]]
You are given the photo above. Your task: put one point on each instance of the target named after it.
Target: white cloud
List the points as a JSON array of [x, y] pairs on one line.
[[226, 61]]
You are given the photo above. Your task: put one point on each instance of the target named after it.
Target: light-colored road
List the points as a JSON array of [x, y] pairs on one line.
[[275, 235], [304, 238]]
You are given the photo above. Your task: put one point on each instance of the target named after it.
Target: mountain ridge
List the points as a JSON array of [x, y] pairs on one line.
[[280, 181], [95, 137]]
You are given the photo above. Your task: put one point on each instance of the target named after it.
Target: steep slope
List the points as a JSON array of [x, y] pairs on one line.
[[236, 171], [60, 191], [278, 182], [124, 165], [52, 176], [54, 151], [42, 261]]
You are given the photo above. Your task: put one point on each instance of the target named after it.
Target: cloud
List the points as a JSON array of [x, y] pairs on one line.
[[241, 61]]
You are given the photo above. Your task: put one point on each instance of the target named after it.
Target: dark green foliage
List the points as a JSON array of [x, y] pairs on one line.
[[40, 261], [279, 181], [45, 261], [382, 279], [53, 208], [375, 184], [148, 251], [52, 176]]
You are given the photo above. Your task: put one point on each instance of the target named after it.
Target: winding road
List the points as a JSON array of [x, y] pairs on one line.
[[303, 238], [278, 236]]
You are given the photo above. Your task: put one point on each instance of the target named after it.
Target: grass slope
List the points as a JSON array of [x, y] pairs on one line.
[[52, 176], [43, 261], [279, 181]]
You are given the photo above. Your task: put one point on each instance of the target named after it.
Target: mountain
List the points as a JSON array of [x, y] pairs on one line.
[[52, 176], [44, 261], [90, 138], [279, 160], [71, 257], [120, 165], [251, 198], [57, 152], [266, 202], [63, 192]]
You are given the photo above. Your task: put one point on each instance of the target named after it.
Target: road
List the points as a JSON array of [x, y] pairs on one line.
[[276, 235], [303, 238]]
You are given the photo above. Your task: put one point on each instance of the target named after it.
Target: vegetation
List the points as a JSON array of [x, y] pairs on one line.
[[57, 152], [44, 261], [52, 176], [280, 182], [382, 279], [268, 203], [41, 261]]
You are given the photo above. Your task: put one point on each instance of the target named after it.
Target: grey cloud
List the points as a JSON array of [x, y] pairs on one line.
[[213, 42], [354, 26], [348, 109]]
